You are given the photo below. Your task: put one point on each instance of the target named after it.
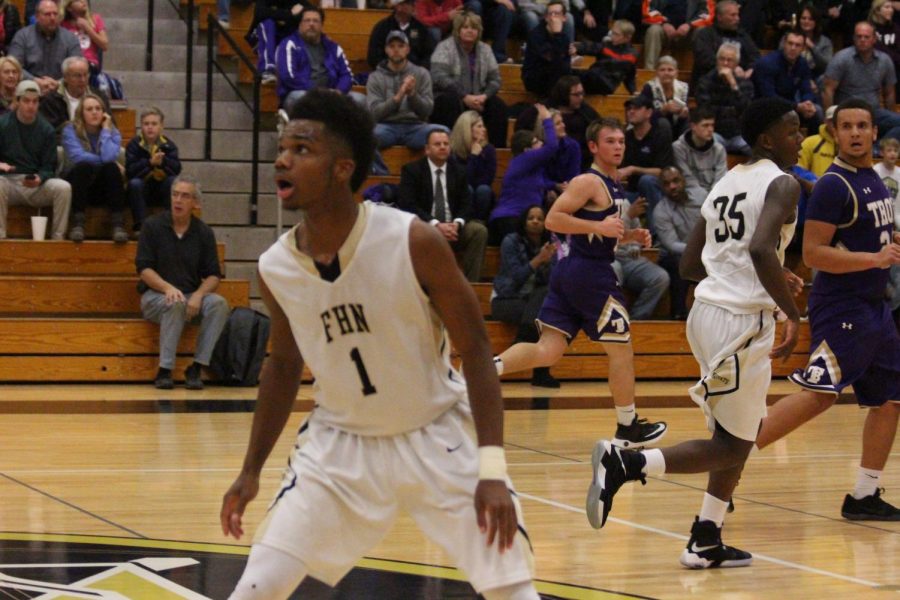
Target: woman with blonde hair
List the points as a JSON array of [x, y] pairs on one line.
[[88, 27], [887, 31], [91, 143], [10, 76], [566, 162], [11, 23], [465, 76], [470, 147]]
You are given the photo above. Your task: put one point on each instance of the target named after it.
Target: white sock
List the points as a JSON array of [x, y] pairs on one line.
[[867, 481], [625, 414], [713, 509], [498, 363], [656, 462]]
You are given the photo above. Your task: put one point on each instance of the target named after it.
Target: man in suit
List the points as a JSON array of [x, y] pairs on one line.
[[435, 189]]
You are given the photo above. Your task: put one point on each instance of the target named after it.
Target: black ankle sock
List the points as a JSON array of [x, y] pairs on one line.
[[163, 371]]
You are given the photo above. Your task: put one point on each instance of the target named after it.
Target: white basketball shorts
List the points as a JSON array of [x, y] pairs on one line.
[[735, 370], [341, 493]]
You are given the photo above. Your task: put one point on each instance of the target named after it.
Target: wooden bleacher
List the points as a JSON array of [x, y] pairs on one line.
[[71, 312]]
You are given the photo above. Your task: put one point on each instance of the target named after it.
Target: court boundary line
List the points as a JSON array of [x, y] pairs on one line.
[[682, 537]]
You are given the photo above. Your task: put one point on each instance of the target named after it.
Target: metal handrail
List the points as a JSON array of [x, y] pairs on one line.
[[189, 59], [213, 27]]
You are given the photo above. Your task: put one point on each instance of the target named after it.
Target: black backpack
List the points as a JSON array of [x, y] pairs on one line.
[[238, 356]]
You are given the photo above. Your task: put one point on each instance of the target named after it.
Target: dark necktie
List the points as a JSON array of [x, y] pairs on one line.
[[440, 210]]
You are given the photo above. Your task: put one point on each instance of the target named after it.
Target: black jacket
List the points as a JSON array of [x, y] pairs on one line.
[[55, 108], [416, 193], [137, 158], [11, 24], [728, 104]]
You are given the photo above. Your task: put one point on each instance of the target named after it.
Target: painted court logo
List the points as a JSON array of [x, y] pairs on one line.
[[74, 567]]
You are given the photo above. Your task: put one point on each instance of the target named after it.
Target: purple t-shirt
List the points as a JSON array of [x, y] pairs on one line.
[[858, 203]]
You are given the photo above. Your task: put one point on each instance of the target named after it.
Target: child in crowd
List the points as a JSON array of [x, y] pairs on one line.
[[616, 61], [151, 163], [890, 175]]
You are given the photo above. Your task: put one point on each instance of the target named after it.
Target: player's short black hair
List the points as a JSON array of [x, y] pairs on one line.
[[851, 103], [344, 119], [762, 114]]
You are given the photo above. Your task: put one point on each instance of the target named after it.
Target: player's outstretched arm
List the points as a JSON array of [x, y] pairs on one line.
[[780, 206], [456, 304], [579, 192], [278, 384], [691, 265]]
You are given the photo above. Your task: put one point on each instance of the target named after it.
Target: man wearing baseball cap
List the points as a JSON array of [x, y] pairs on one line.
[[421, 43], [400, 98], [28, 162], [818, 151]]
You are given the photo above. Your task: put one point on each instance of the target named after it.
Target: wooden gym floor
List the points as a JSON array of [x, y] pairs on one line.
[[113, 492]]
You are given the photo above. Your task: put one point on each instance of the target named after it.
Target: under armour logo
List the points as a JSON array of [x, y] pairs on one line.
[[867, 190], [846, 325]]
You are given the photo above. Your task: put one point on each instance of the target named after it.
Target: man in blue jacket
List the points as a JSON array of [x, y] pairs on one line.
[[785, 73], [309, 59]]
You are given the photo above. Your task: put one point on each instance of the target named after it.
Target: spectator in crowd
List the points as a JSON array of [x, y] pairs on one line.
[[273, 20], [726, 30], [532, 11], [817, 152], [466, 77], [471, 148], [593, 19], [525, 181], [547, 56], [499, 15], [861, 71], [526, 257], [887, 31], [648, 148], [669, 95], [400, 99], [308, 59], [58, 106], [729, 96], [91, 143], [817, 47], [28, 162], [567, 96], [888, 171], [785, 73], [178, 264], [438, 15], [88, 27], [638, 274], [566, 162], [674, 218], [699, 157], [615, 63], [151, 164], [670, 23], [11, 23], [421, 43], [435, 189], [10, 76], [41, 48]]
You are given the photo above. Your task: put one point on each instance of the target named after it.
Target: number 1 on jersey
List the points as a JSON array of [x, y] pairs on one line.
[[367, 388]]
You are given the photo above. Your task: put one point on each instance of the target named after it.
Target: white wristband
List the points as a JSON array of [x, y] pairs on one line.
[[491, 462]]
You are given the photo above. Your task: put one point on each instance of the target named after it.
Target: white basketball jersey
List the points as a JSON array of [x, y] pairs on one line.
[[731, 212], [378, 351]]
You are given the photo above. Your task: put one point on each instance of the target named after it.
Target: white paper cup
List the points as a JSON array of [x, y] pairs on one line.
[[38, 227]]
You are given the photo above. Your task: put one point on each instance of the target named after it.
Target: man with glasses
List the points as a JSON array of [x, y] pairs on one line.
[[547, 55], [58, 107]]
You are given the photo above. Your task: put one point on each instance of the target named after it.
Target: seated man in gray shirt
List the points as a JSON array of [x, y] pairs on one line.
[[861, 71], [179, 269], [41, 48], [674, 217]]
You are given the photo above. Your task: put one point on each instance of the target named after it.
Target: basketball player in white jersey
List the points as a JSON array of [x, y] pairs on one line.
[[736, 252], [361, 293]]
